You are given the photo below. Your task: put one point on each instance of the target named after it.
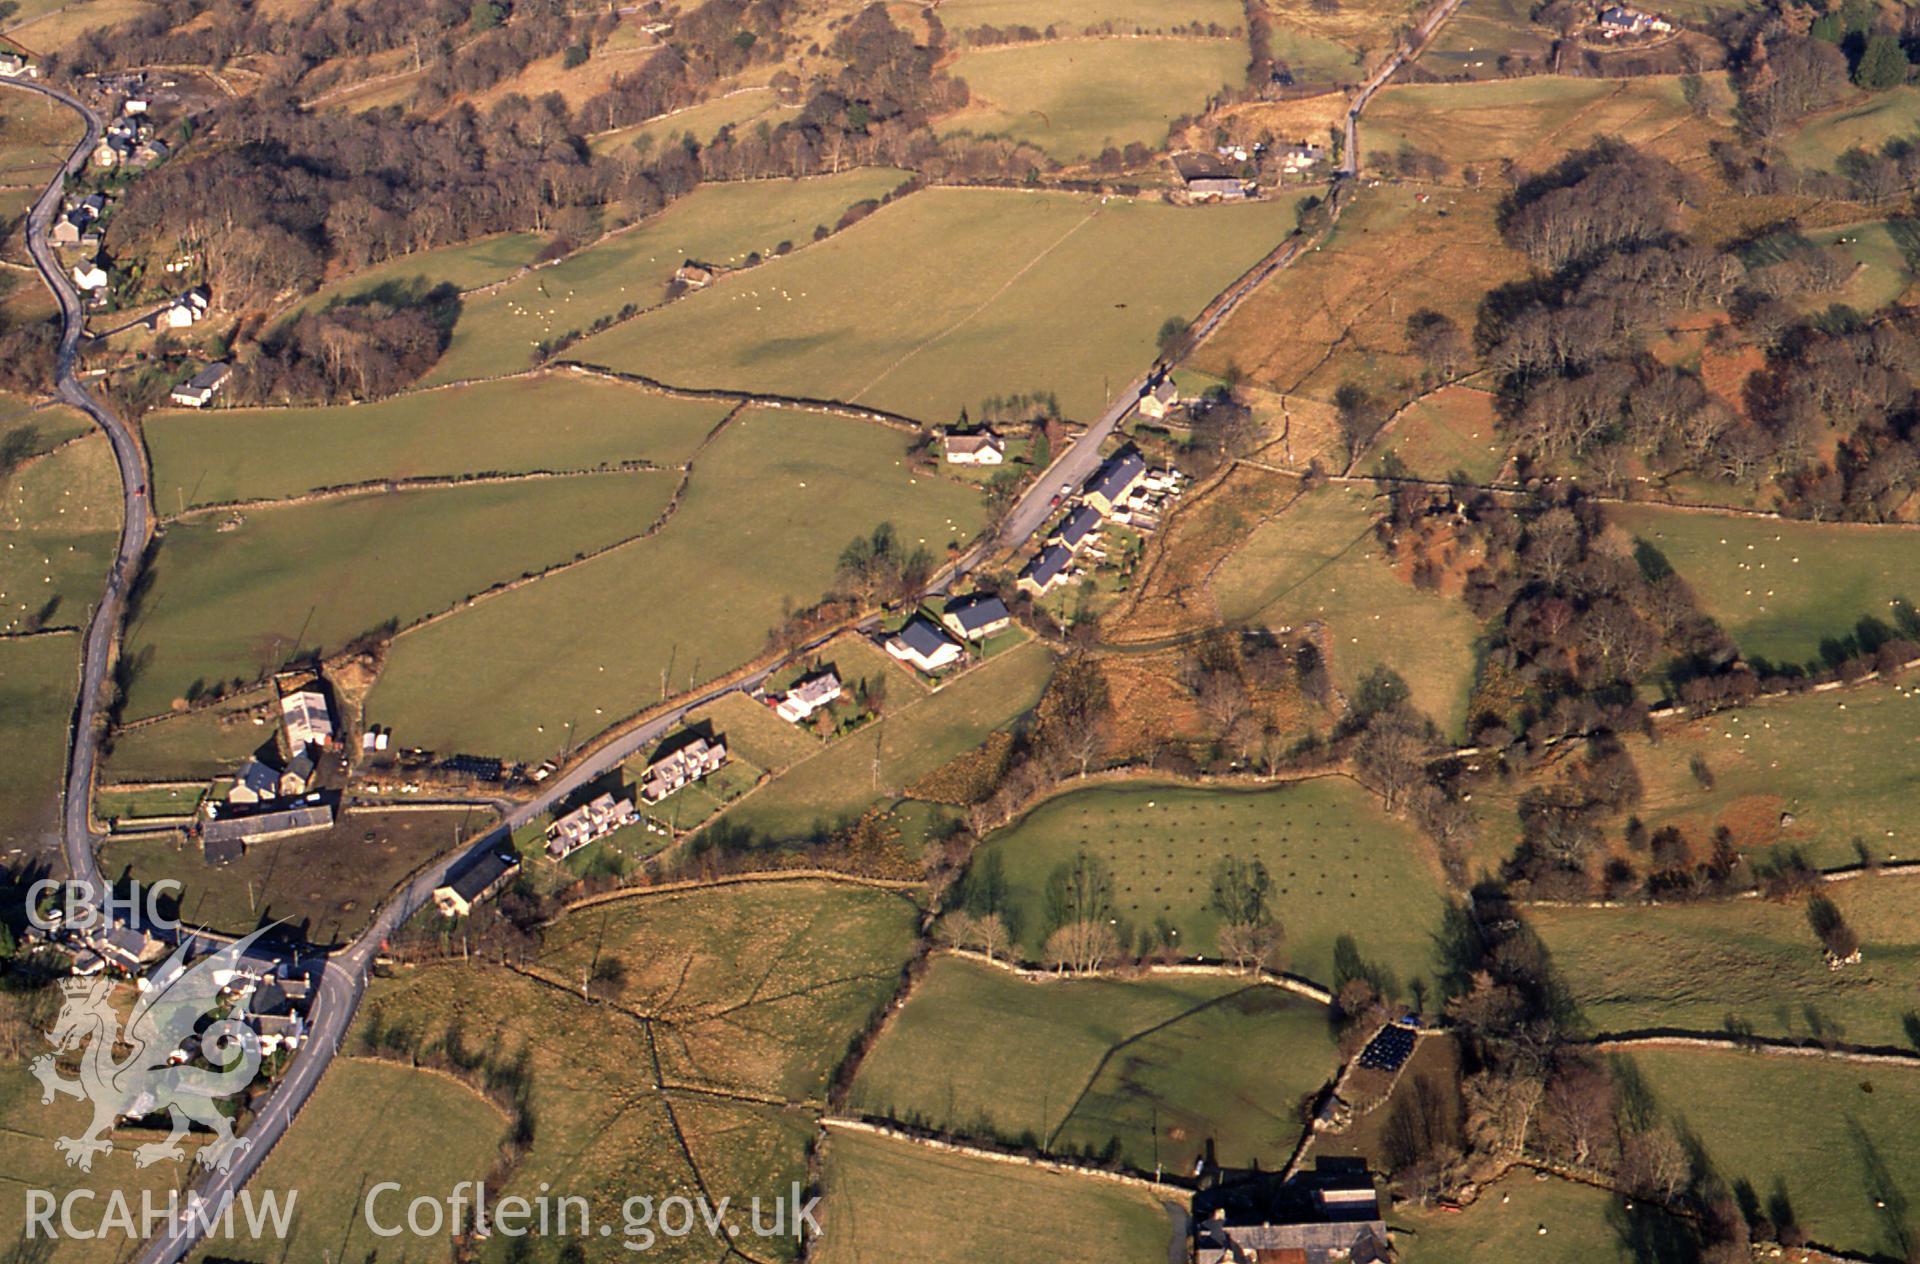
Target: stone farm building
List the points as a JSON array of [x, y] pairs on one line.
[[1208, 179], [473, 881], [589, 821], [1329, 1214], [921, 643], [682, 767], [307, 719], [808, 695], [976, 617], [264, 827], [1158, 402], [254, 783]]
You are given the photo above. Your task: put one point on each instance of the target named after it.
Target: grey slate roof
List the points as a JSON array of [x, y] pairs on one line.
[[922, 637], [1079, 524], [1047, 565], [973, 613], [1121, 469]]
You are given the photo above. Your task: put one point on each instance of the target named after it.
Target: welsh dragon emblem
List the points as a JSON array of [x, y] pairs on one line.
[[145, 1082]]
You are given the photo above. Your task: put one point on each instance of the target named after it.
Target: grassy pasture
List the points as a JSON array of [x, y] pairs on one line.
[[59, 520], [38, 678], [913, 737], [877, 1207], [1782, 589], [741, 110], [1834, 1140], [467, 266], [36, 134], [754, 988], [1867, 121], [557, 422], [201, 743], [954, 295], [237, 603], [774, 500], [1082, 1063], [326, 884], [1450, 430], [717, 223], [754, 733], [1534, 120], [1314, 58], [372, 1121], [1339, 866], [1072, 17], [143, 803], [1366, 27], [1885, 269], [1319, 562], [1480, 33], [1339, 314], [47, 26], [1582, 1225], [1074, 98], [1698, 967], [52, 424]]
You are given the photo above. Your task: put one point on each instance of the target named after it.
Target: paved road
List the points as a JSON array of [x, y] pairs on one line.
[[1350, 151], [76, 835]]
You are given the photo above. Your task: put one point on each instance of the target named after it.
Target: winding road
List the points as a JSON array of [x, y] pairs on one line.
[[343, 978]]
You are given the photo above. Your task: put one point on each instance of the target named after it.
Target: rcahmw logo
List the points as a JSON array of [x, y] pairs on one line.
[[85, 1215]]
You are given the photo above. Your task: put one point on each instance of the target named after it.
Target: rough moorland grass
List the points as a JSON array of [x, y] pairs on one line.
[[1339, 866], [1867, 121], [1319, 562], [1582, 1225], [718, 223], [34, 1162], [1534, 120], [557, 422], [35, 134], [1836, 1141], [467, 266], [1366, 27], [1783, 589], [742, 111], [756, 988], [1071, 17], [911, 739], [1480, 33], [227, 604], [1757, 963], [1339, 314], [47, 28], [371, 1122], [877, 1207], [325, 884], [952, 296], [37, 682], [1085, 1064], [1074, 98], [766, 513], [59, 518], [202, 743]]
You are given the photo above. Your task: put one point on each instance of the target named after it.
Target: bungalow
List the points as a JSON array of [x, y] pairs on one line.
[[982, 447], [89, 275], [684, 766], [1113, 482], [264, 827], [1078, 528], [306, 718], [298, 776], [1158, 402], [474, 881], [977, 617], [198, 391], [923, 645], [808, 695], [695, 276], [1045, 570], [589, 821], [254, 783]]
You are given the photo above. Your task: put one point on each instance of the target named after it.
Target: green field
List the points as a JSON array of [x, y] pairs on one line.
[[59, 521], [756, 988], [1884, 272], [467, 266], [1866, 122], [742, 111], [1837, 1139], [1542, 1222], [144, 803], [1082, 1064], [1072, 17], [1074, 98], [1319, 562], [371, 1122], [1339, 865], [38, 678], [912, 738], [1480, 33], [237, 604], [1782, 589], [754, 733], [1696, 968], [1313, 59], [35, 135], [765, 516], [203, 743], [1449, 431], [955, 295], [717, 223], [878, 1207], [558, 422]]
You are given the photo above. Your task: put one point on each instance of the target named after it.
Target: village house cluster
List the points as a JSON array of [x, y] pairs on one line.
[[278, 794], [1123, 491], [934, 647]]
